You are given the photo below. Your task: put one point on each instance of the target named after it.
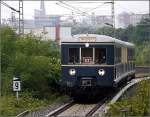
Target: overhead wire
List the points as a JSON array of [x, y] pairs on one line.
[[77, 10], [67, 7], [77, 2], [90, 9], [99, 6], [73, 7], [87, 10], [9, 6]]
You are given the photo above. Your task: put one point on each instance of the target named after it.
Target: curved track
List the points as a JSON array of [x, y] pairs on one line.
[[87, 110]]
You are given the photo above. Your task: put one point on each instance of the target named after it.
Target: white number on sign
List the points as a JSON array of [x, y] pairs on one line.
[[16, 86]]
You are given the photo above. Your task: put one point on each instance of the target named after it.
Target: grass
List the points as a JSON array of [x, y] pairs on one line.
[[136, 105], [11, 107]]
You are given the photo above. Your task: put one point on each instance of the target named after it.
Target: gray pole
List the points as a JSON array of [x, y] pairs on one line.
[[113, 17], [19, 18], [17, 95], [20, 11], [21, 22]]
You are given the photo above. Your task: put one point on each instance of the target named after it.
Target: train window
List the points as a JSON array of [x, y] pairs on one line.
[[130, 54], [87, 55], [118, 55], [100, 55], [73, 55]]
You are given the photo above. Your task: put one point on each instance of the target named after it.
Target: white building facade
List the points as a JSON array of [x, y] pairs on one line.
[[126, 19]]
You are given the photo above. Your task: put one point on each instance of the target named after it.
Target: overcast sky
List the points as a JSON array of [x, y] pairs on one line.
[[53, 8]]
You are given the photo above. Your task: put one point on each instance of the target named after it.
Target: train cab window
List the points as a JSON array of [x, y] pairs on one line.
[[118, 55], [100, 55], [87, 55], [73, 55], [130, 54]]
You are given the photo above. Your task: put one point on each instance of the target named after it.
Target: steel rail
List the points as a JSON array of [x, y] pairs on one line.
[[61, 109], [101, 103], [93, 110]]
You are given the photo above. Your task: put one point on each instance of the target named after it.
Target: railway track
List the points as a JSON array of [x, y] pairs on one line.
[[61, 109], [87, 110], [78, 109], [97, 106]]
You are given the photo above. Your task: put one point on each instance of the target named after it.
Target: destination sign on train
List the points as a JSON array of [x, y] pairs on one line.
[[87, 39]]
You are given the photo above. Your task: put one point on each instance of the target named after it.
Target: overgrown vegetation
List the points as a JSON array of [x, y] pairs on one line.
[[12, 107], [37, 63], [136, 105], [143, 54]]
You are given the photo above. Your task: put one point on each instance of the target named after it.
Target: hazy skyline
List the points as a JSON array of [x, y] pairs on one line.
[[52, 8]]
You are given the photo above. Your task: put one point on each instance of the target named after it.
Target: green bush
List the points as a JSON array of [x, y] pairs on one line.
[[12, 107], [137, 105], [142, 54], [36, 62]]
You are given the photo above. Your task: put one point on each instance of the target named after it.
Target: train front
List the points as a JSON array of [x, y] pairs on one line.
[[87, 65]]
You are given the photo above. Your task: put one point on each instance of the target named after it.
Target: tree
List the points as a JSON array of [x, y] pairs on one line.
[[37, 63]]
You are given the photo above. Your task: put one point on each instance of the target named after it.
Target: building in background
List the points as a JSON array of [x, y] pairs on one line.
[[97, 20], [51, 25], [125, 19], [42, 20], [47, 26], [100, 20], [44, 26]]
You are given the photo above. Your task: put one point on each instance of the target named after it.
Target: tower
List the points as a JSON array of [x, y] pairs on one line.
[[42, 7]]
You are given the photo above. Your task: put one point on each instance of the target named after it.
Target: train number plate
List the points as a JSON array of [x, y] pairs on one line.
[[87, 39], [86, 83]]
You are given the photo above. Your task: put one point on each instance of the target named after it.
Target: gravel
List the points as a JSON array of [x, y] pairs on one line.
[[44, 111]]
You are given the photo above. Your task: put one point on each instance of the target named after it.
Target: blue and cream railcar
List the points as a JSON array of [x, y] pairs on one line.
[[89, 60]]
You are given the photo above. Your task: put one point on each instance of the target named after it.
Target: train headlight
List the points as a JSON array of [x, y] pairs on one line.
[[72, 72], [87, 45], [101, 72]]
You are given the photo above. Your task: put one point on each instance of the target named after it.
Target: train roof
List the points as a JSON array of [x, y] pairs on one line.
[[94, 38]]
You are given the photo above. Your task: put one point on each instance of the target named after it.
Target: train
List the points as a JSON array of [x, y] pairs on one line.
[[91, 63]]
